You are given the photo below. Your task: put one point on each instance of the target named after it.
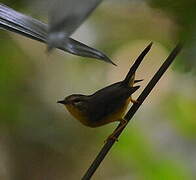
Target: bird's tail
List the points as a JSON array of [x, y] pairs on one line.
[[129, 79]]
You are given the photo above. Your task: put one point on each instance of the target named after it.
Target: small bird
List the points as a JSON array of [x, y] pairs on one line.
[[108, 104]]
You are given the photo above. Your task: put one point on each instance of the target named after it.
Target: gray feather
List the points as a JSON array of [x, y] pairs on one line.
[[14, 21]]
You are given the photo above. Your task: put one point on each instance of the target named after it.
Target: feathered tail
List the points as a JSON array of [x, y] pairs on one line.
[[129, 79]]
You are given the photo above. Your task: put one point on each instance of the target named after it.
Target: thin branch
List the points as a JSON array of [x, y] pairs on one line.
[[105, 149]]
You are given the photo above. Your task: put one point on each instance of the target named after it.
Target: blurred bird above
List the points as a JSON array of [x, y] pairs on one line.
[[65, 16]]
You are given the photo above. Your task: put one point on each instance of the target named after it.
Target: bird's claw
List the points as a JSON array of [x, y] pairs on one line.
[[134, 101]]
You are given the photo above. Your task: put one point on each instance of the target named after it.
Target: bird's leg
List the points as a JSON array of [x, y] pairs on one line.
[[112, 136], [133, 100]]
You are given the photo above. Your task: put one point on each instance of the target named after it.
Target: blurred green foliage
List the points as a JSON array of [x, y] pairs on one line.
[[12, 73], [182, 112], [183, 12], [14, 4]]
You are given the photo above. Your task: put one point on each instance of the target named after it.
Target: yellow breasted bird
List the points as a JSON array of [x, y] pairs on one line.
[[108, 104]]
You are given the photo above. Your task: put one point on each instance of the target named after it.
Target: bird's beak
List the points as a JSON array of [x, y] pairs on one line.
[[62, 102]]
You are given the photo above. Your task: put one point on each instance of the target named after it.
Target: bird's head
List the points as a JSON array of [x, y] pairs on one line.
[[75, 102], [77, 105]]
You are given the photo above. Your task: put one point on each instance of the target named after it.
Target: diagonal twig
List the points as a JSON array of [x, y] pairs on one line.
[[105, 149]]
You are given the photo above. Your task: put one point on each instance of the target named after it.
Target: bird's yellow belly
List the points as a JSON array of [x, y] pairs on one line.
[[115, 116], [78, 115]]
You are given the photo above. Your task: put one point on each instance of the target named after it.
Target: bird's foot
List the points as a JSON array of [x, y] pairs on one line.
[[113, 137], [134, 101]]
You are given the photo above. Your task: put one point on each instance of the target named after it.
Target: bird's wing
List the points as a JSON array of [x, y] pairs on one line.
[[67, 15], [80, 49], [110, 99], [19, 23]]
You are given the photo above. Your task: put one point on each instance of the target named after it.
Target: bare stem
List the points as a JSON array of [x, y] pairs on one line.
[[105, 149]]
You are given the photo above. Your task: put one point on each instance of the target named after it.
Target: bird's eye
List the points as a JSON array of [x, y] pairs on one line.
[[76, 100]]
